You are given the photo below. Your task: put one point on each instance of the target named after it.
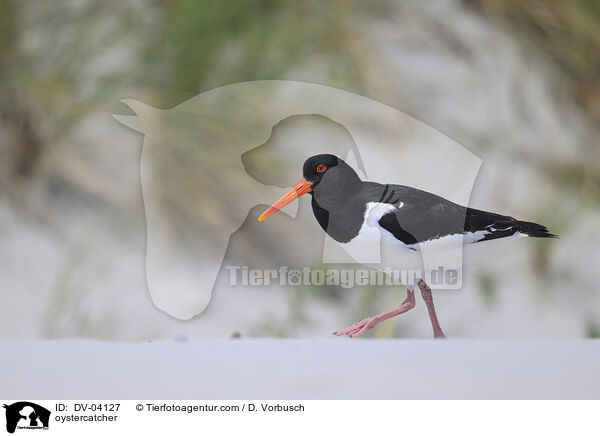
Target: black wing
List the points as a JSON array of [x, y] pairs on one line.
[[421, 216]]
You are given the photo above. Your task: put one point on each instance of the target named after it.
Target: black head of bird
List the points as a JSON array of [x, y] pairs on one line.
[[319, 172]]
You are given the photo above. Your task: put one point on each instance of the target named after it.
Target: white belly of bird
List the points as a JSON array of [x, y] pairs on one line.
[[371, 232]]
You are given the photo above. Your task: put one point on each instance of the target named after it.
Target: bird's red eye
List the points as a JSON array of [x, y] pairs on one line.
[[321, 168]]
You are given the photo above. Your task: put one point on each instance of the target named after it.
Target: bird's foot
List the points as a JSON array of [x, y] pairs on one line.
[[428, 298], [438, 334], [359, 328]]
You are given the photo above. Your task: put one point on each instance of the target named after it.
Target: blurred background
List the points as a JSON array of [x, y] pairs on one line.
[[515, 82]]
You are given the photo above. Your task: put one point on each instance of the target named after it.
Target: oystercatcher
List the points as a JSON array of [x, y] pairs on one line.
[[348, 208]]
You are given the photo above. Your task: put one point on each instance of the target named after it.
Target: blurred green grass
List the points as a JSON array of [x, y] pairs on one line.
[[198, 45], [568, 31]]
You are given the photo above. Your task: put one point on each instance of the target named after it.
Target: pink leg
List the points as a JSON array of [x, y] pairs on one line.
[[428, 298], [361, 327]]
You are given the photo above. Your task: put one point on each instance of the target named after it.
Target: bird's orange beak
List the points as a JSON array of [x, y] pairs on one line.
[[301, 188]]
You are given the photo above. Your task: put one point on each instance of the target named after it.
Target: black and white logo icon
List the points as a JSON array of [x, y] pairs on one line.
[[26, 415]]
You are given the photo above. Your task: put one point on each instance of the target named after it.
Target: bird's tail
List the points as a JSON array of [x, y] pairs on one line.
[[535, 230]]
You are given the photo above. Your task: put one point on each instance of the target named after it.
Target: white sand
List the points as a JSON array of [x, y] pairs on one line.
[[334, 368]]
